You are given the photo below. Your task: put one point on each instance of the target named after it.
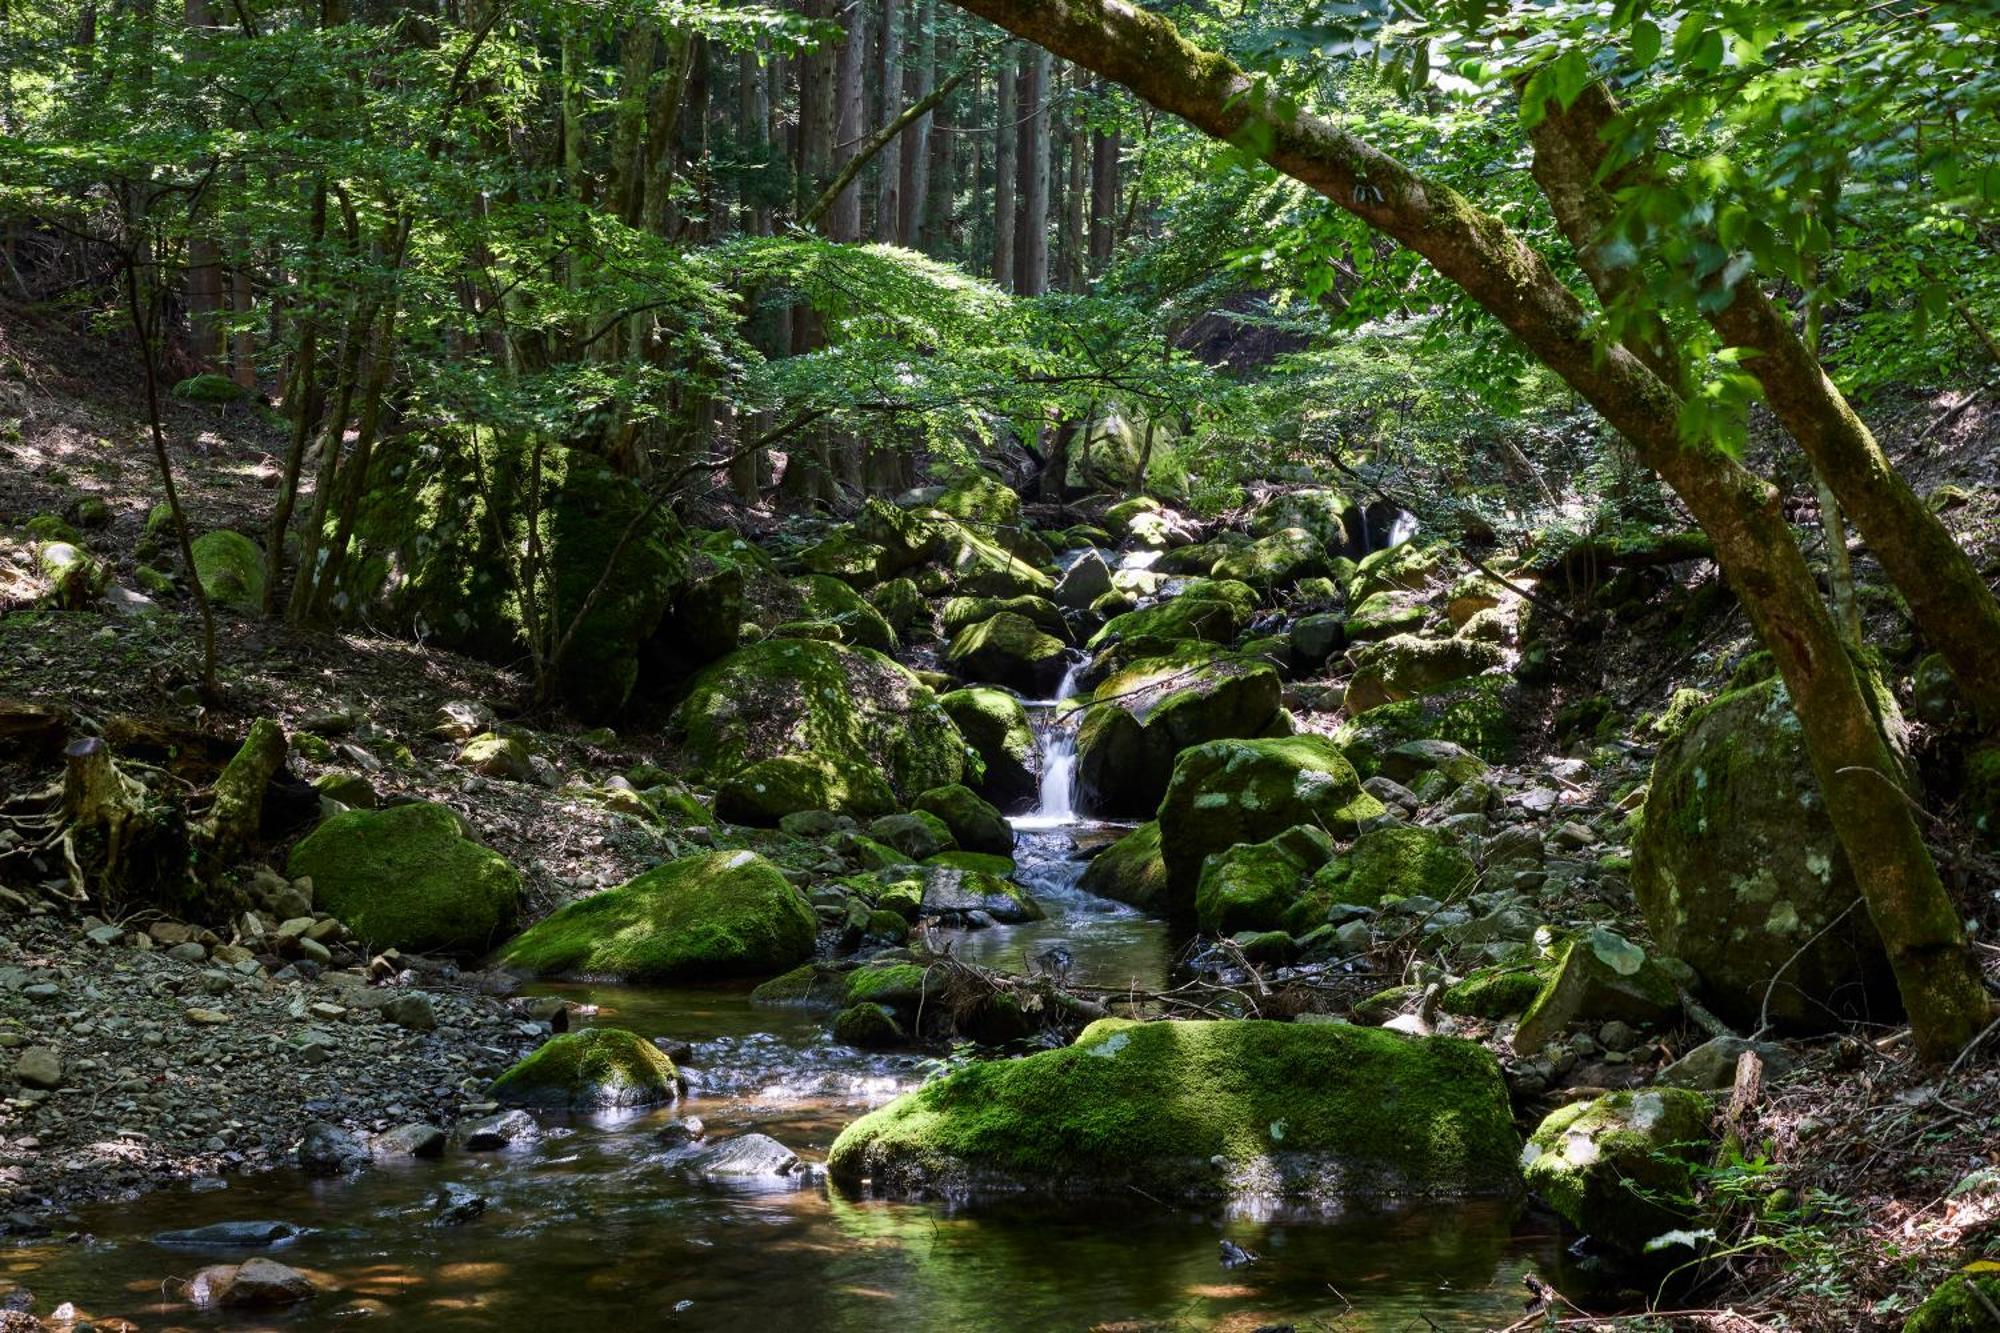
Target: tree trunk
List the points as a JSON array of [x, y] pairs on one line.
[[916, 154], [843, 219], [1004, 148], [1103, 196], [1916, 918], [889, 181], [1074, 191], [1031, 257]]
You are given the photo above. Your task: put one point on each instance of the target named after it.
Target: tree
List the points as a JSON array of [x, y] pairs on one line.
[[1517, 285]]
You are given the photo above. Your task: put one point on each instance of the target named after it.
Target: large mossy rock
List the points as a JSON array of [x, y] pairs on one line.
[[975, 825], [996, 726], [231, 569], [822, 704], [408, 878], [1394, 862], [1142, 717], [1407, 665], [1738, 871], [1325, 513], [762, 794], [1255, 885], [1408, 568], [1615, 1167], [962, 613], [1955, 1307], [701, 918], [1232, 791], [434, 539], [1276, 561], [830, 601], [593, 1070], [1208, 610], [1594, 979], [1009, 649], [1476, 714], [1237, 1110], [1130, 870]]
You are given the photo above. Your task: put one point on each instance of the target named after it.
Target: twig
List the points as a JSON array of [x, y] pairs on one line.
[[1764, 1010]]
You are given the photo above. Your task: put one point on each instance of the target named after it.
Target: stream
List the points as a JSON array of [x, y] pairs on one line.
[[591, 1223]]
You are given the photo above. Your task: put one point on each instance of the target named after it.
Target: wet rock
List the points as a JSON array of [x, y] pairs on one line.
[[1086, 580], [1596, 978], [253, 1284], [412, 1140], [591, 1070], [917, 834], [974, 824], [455, 1205], [1406, 665], [231, 1236], [747, 1157], [868, 1027], [505, 1130], [413, 1011], [681, 1132], [1010, 649], [328, 1150], [1144, 715], [995, 725]]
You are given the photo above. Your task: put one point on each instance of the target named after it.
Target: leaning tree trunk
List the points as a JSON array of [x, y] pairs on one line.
[[1919, 926]]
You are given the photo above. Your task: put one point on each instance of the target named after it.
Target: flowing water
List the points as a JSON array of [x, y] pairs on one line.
[[594, 1224]]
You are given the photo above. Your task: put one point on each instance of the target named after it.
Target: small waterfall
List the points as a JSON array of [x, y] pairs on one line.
[[1404, 528], [1056, 803]]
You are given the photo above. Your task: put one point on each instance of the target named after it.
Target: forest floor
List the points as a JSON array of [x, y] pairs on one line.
[[1874, 1151]]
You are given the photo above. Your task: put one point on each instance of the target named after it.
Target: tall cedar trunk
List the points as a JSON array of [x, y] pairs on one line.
[[889, 179], [302, 401], [843, 220], [916, 146], [1912, 912], [1951, 604], [361, 318], [808, 476], [628, 121], [939, 207], [753, 116], [1031, 256], [1004, 149], [1103, 196], [1074, 190], [679, 92], [203, 288]]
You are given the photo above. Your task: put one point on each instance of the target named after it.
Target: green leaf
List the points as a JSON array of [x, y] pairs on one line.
[[1645, 42]]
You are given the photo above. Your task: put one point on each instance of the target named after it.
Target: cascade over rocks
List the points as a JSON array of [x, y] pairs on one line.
[[1737, 868], [1141, 717], [833, 713], [409, 877], [1229, 1110]]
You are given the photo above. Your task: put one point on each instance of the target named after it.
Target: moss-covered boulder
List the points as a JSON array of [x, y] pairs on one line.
[[1140, 718], [231, 569], [1255, 885], [1385, 615], [408, 878], [1595, 978], [1276, 561], [492, 755], [904, 538], [1739, 874], [1408, 567], [1325, 513], [975, 825], [763, 793], [835, 603], [962, 613], [1131, 870], [982, 567], [701, 918], [1209, 610], [1244, 1110], [903, 605], [851, 708], [917, 834], [1232, 791], [593, 1070], [1407, 665], [1476, 714], [1615, 1167], [1391, 862], [846, 557], [75, 576], [988, 505], [1118, 519], [868, 1027], [996, 726], [1009, 649], [1955, 1307]]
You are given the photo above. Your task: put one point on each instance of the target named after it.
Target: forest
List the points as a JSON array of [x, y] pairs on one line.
[[1126, 665]]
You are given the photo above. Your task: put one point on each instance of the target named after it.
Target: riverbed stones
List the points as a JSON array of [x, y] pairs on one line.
[[1274, 561], [1227, 1110], [1131, 870], [1739, 873], [1087, 579], [1142, 717], [705, 917], [408, 878], [39, 1067], [231, 1236], [329, 1150], [1616, 1166], [1253, 886], [747, 1158], [1596, 977], [411, 1140], [995, 726], [505, 1129], [593, 1070], [974, 824], [254, 1284], [1322, 511], [1232, 791], [1382, 865]]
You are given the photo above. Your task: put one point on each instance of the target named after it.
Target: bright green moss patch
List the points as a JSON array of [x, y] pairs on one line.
[[231, 569], [1203, 1110], [408, 878], [1956, 1308], [1396, 862], [1620, 1167], [1130, 870], [1475, 715], [590, 1070], [716, 915]]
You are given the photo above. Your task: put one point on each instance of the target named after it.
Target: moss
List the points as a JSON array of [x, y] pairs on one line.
[[1408, 665], [209, 388], [50, 528], [812, 984], [845, 558], [1321, 511], [763, 793], [74, 575], [1476, 715], [899, 985], [847, 706], [961, 613], [975, 825], [995, 725], [1409, 568], [1621, 1166], [915, 833], [407, 878], [1130, 870], [1398, 862], [1385, 615], [1008, 649], [1232, 791], [715, 915], [1956, 1308], [1142, 716], [231, 569], [868, 1027], [1276, 561], [1594, 978], [1188, 616], [905, 608], [1252, 886], [1496, 992], [1118, 518], [984, 862], [1203, 1110], [833, 602], [590, 1070]]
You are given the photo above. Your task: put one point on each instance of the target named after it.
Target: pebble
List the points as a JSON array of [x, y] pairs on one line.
[[39, 1067]]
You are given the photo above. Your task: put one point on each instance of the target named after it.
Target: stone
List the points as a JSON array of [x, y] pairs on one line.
[[328, 1150], [681, 1131], [254, 1284], [504, 1130], [1594, 978], [1385, 615], [495, 756], [746, 1158], [1322, 511], [1010, 649], [230, 1236], [206, 1017], [995, 727], [1227, 1110], [1739, 874], [1316, 638], [1614, 1167], [454, 1205], [1231, 791], [868, 1027], [39, 1067], [231, 569], [409, 878], [1141, 718], [916, 834], [413, 1011], [1252, 886], [972, 823], [411, 1140], [1130, 871], [1711, 1066], [710, 916], [1275, 561], [1087, 579], [595, 1069], [1964, 1303], [1406, 665], [1383, 864]]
